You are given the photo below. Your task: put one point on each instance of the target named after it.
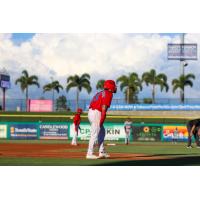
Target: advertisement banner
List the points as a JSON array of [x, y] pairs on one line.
[[113, 131], [154, 107], [5, 84], [182, 51], [3, 131], [23, 131], [168, 133], [54, 131], [147, 133], [40, 105], [5, 81]]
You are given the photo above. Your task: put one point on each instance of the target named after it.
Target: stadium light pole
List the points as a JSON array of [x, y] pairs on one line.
[[4, 99], [183, 64]]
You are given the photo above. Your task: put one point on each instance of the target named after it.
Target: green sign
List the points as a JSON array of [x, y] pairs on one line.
[[113, 131], [147, 133]]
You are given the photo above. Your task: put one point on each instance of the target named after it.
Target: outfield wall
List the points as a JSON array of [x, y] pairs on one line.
[[161, 113], [65, 131]]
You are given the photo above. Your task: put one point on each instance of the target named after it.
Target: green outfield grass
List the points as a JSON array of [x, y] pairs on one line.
[[68, 116], [176, 155]]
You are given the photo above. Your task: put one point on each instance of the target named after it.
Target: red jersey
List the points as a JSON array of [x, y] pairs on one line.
[[77, 119], [101, 98]]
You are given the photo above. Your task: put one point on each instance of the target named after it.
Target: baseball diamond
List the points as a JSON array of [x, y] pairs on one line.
[[43, 142]]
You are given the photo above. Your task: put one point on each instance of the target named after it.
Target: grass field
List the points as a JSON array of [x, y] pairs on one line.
[[58, 153], [63, 117], [137, 153]]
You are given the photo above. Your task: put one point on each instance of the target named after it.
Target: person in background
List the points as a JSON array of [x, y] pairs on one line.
[[128, 127], [175, 136], [76, 124], [193, 127]]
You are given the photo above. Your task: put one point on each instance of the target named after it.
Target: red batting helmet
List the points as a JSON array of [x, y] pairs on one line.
[[110, 85], [79, 110]]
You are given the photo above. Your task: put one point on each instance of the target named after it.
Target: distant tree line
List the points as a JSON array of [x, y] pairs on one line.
[[130, 84]]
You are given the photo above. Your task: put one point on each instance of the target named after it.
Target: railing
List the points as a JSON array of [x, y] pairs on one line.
[[20, 104]]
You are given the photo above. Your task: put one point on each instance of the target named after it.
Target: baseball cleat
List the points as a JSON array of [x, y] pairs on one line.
[[92, 157], [104, 155]]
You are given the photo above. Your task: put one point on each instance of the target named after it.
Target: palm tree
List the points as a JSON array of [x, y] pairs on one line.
[[25, 81], [181, 82], [155, 79], [131, 85], [100, 84], [54, 85], [79, 82], [61, 103]]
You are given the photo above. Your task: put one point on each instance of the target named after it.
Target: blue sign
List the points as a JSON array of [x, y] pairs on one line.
[[153, 107], [53, 131], [23, 131], [5, 84]]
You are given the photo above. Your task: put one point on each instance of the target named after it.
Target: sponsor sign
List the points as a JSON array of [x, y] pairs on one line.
[[5, 81], [113, 131], [3, 131], [40, 105], [147, 133], [53, 131], [168, 133], [5, 84], [182, 51], [23, 131]]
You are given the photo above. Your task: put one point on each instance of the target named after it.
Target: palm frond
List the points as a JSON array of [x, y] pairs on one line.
[[70, 78], [122, 79], [25, 73], [85, 76], [188, 83], [87, 87], [190, 76], [35, 83], [71, 85]]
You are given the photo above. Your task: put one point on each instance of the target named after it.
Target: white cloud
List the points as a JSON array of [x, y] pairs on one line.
[[101, 55]]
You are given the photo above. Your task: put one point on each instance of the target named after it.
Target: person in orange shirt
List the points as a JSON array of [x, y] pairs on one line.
[[76, 124]]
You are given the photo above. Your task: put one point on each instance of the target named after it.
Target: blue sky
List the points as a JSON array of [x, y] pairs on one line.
[[18, 38], [103, 56]]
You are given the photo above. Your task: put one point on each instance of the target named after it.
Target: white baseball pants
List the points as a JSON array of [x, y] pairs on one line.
[[97, 133], [75, 137], [127, 137]]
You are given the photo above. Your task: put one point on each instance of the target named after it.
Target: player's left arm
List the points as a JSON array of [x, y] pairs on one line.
[[192, 130]]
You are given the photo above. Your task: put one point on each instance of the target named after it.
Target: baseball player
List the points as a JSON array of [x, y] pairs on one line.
[[175, 136], [128, 129], [76, 124], [193, 127], [96, 115]]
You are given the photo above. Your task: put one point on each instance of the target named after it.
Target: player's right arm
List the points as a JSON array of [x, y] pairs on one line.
[[106, 101], [103, 114]]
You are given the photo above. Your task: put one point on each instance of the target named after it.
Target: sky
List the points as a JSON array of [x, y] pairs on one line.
[[103, 56]]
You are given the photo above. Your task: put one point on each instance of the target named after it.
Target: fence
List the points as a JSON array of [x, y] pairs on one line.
[[114, 131], [20, 104]]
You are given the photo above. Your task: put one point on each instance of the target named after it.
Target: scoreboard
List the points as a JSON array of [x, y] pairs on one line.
[[5, 81]]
